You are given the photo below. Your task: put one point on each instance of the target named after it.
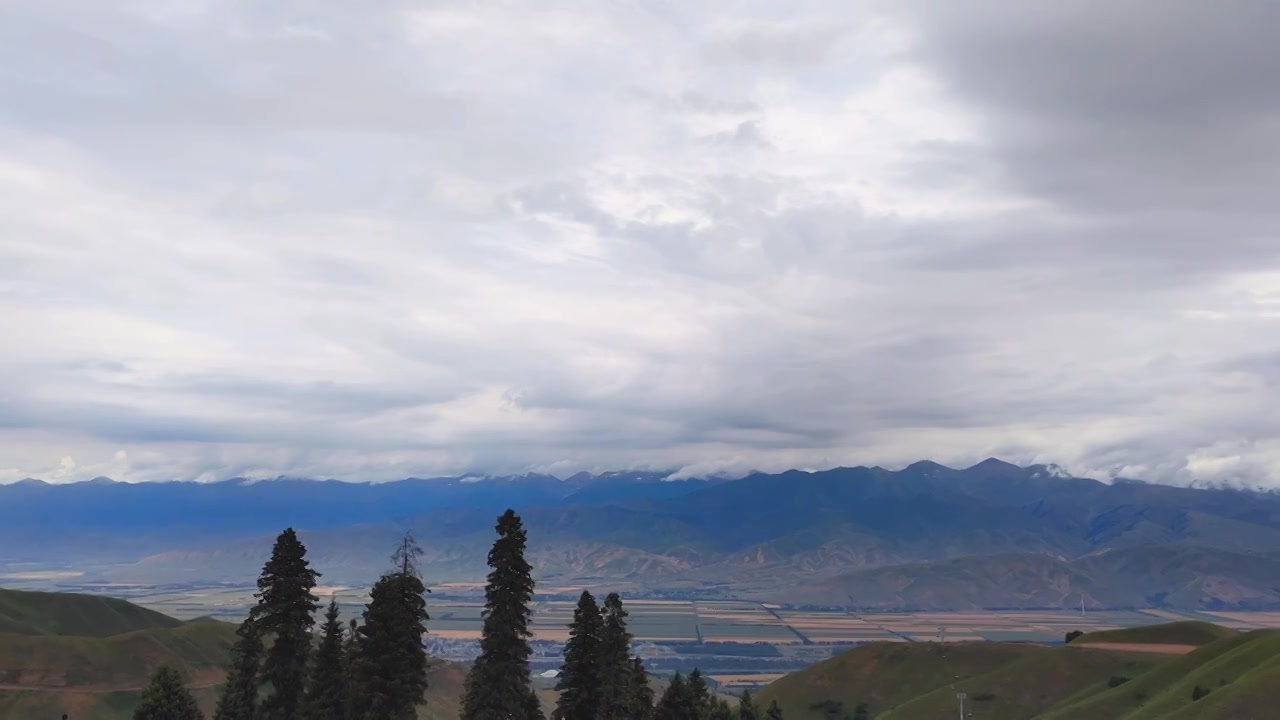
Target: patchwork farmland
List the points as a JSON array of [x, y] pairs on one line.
[[739, 644], [730, 621]]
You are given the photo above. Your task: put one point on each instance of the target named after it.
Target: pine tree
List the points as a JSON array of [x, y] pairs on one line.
[[327, 693], [615, 661], [532, 706], [700, 693], [579, 683], [392, 667], [774, 712], [239, 699], [747, 707], [498, 686], [350, 666], [285, 611], [720, 710], [166, 698], [678, 702], [641, 704]]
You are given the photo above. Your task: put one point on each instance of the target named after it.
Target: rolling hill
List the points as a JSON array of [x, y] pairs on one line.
[[99, 674], [1223, 674], [91, 656], [42, 613], [1188, 632]]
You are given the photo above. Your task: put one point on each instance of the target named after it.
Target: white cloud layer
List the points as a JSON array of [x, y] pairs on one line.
[[374, 240]]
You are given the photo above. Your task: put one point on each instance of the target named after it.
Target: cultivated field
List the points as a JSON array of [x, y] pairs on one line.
[[749, 681], [680, 621]]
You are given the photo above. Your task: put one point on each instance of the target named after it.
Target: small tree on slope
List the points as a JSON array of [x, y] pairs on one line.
[[614, 661], [167, 698], [327, 692], [350, 663], [720, 710], [679, 702], [701, 693], [579, 683], [239, 699], [641, 692]]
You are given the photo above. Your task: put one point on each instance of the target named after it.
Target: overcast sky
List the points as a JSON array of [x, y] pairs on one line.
[[380, 239]]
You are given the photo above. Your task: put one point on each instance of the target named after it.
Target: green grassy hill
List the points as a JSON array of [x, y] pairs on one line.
[[1179, 633], [46, 613], [46, 669], [1238, 671], [1238, 676], [117, 662], [1029, 686], [885, 675]]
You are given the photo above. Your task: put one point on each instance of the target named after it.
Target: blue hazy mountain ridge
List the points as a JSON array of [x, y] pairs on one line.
[[811, 534], [39, 519]]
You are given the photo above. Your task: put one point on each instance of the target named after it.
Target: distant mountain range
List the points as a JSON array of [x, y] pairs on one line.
[[102, 519], [925, 537]]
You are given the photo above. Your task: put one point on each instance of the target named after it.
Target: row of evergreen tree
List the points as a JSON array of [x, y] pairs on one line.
[[377, 669], [600, 680]]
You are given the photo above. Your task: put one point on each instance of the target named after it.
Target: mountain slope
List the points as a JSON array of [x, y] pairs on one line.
[[198, 648], [885, 675], [105, 520], [1172, 576], [42, 613], [96, 674], [1121, 544], [1029, 686], [1179, 633], [1239, 671]]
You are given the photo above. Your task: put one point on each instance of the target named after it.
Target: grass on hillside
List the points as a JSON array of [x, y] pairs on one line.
[[1189, 632], [90, 656], [886, 675], [118, 662], [1234, 670], [44, 613], [110, 705], [1229, 676], [1028, 686]]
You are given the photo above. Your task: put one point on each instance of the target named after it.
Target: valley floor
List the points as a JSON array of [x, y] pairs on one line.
[[740, 644]]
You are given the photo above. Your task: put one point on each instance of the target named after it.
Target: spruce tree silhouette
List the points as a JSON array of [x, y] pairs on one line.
[[498, 686]]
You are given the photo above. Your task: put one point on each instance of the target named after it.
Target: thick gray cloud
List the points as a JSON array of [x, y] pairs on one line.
[[389, 239]]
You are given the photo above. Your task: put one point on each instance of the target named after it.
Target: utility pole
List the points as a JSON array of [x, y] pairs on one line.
[[960, 697]]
